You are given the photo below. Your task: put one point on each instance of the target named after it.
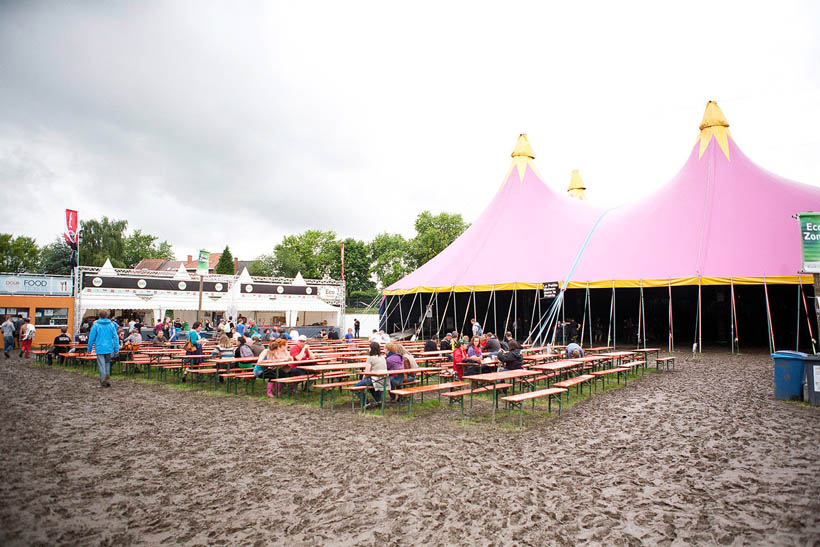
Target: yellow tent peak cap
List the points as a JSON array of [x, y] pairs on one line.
[[714, 124], [713, 116], [576, 182], [577, 187], [523, 148]]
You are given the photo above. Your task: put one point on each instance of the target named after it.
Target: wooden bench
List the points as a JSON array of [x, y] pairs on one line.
[[577, 381], [410, 392], [459, 394], [520, 398], [665, 361], [634, 365], [332, 387], [603, 374]]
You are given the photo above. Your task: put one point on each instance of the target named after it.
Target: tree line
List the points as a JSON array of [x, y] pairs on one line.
[[315, 253]]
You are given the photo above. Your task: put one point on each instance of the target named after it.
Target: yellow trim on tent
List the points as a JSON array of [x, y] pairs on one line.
[[608, 284], [714, 125]]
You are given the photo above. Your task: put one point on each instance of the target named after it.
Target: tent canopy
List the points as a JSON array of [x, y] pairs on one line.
[[721, 219]]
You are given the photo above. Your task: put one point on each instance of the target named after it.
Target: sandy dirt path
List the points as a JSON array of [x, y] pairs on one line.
[[702, 455]]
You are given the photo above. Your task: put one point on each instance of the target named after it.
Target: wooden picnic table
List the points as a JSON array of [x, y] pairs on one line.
[[564, 365], [597, 349], [495, 378], [647, 351], [617, 356]]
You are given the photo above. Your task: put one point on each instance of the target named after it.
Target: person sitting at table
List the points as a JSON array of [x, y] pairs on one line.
[[234, 334], [474, 354], [394, 362], [193, 346], [447, 342], [375, 336], [243, 349], [332, 334], [62, 343], [492, 346], [159, 340], [276, 352], [375, 363], [460, 357], [256, 345], [349, 336], [299, 352], [384, 337], [133, 341], [409, 361], [574, 351], [512, 359], [431, 344]]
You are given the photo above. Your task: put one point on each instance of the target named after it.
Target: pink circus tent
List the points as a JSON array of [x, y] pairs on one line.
[[721, 220]]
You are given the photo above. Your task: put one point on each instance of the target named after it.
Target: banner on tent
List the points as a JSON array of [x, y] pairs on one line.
[[810, 239], [551, 289]]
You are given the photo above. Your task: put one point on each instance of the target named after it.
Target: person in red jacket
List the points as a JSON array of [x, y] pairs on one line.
[[300, 351], [461, 358]]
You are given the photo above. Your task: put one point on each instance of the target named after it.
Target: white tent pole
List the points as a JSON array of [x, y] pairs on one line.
[[671, 339], [640, 311], [401, 313], [486, 313], [590, 314], [507, 322], [495, 314], [455, 310], [797, 342], [700, 318], [532, 316], [467, 311], [563, 319], [772, 345], [584, 319], [421, 319], [515, 319], [410, 311], [732, 314], [611, 312], [438, 318], [643, 306], [444, 314]]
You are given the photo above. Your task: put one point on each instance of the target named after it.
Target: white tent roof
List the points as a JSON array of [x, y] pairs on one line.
[[299, 281], [182, 274], [107, 269]]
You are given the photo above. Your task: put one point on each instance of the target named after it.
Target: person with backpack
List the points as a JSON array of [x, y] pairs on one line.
[[104, 341], [476, 327], [26, 337]]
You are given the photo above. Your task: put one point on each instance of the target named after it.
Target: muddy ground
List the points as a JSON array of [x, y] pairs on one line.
[[701, 455]]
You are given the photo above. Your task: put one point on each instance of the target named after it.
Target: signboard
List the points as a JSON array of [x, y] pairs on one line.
[[816, 378], [551, 289], [36, 285], [810, 240], [202, 265]]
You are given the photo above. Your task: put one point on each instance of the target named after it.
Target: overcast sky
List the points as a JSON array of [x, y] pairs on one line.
[[240, 122]]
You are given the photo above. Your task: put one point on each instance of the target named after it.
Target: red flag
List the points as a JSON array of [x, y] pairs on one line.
[[71, 228], [343, 261]]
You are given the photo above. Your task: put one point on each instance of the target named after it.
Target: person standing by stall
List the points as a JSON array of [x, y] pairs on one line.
[[103, 340]]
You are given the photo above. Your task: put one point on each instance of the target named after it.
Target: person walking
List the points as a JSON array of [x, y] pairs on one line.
[[8, 336], [103, 340], [26, 337]]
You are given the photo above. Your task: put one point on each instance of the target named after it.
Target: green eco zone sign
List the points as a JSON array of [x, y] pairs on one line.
[[810, 239]]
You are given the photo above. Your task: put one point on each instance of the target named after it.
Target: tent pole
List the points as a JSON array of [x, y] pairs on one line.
[[590, 315], [640, 312], [401, 314], [563, 322], [515, 319], [475, 307], [769, 317], [467, 311], [700, 319], [507, 322], [444, 315], [584, 320], [797, 342], [643, 307], [495, 314], [736, 338], [732, 314], [455, 310], [808, 319], [486, 313], [438, 318], [614, 319], [611, 312], [410, 311], [671, 340], [532, 317], [538, 297], [386, 312]]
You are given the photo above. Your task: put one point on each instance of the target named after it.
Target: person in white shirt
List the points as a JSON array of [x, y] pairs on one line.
[[26, 337], [476, 327], [383, 336], [375, 337], [294, 334]]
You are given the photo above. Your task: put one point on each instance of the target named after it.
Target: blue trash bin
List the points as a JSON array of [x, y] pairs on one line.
[[789, 371]]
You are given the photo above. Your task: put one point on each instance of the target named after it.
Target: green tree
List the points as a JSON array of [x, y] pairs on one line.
[[18, 254], [433, 234], [260, 267], [313, 253], [138, 246], [101, 239], [389, 257], [55, 258], [225, 263]]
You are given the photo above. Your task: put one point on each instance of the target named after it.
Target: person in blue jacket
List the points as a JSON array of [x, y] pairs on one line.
[[104, 341]]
